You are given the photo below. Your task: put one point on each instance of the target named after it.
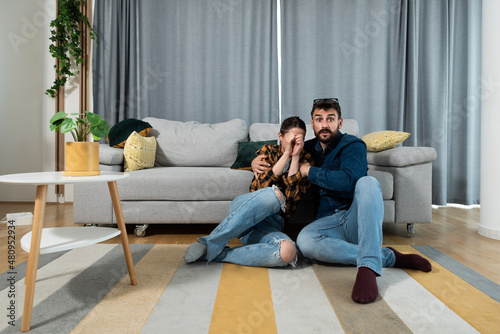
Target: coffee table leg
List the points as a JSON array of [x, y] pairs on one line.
[[36, 236], [113, 190]]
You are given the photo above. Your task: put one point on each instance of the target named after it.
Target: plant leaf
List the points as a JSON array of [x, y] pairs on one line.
[[51, 93], [100, 130], [54, 126], [93, 119], [80, 120], [67, 125], [60, 115]]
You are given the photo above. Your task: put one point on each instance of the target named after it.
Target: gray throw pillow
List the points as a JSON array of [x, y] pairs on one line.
[[194, 144]]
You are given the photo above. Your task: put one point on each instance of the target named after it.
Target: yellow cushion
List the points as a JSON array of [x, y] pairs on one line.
[[384, 140], [143, 133], [139, 152]]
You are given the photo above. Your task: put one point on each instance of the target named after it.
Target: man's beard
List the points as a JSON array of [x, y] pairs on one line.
[[325, 140]]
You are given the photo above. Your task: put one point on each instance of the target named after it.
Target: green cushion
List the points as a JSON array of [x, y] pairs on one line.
[[119, 133], [246, 153]]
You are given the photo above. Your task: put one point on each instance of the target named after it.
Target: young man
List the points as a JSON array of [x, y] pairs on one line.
[[349, 205]]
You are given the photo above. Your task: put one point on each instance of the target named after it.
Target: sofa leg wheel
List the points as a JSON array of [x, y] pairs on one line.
[[410, 228], [140, 230]]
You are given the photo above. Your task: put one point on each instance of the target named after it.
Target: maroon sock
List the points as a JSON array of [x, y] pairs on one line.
[[411, 261], [365, 288]]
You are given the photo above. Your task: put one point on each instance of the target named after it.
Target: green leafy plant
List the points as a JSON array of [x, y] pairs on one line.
[[66, 41], [80, 127]]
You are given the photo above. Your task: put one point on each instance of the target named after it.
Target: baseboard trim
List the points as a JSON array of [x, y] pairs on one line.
[[488, 232]]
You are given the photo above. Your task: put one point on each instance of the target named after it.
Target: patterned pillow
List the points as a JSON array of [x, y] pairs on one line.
[[139, 152], [384, 140]]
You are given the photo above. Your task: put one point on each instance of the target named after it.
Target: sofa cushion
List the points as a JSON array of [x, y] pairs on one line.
[[246, 153], [185, 184], [193, 144], [120, 132], [350, 126], [110, 155], [269, 131]]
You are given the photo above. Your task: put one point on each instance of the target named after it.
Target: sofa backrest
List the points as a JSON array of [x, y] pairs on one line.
[[269, 131], [194, 144]]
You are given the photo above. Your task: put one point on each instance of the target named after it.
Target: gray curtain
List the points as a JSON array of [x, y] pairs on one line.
[[409, 65], [116, 59], [345, 49], [185, 60], [443, 93]]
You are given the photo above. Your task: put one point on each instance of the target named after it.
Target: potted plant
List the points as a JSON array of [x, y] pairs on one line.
[[81, 156]]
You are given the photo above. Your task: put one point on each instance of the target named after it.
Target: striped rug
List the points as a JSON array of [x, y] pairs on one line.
[[87, 290]]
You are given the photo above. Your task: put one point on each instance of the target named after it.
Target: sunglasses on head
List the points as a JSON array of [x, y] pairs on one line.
[[328, 100]]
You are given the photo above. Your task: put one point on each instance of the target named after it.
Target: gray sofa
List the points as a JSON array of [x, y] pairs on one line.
[[192, 181]]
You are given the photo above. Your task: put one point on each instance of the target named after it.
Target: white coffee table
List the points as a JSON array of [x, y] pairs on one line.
[[64, 238]]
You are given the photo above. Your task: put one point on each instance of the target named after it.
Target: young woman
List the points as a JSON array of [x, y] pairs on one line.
[[258, 218]]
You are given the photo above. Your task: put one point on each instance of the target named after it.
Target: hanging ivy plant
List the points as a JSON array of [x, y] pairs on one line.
[[66, 33]]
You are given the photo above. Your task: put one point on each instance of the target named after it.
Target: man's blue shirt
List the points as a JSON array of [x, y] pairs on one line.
[[336, 171]]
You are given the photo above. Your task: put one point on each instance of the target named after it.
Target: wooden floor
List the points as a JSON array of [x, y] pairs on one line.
[[453, 231]]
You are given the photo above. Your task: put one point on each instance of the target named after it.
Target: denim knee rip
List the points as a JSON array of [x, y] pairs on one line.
[[293, 263], [283, 204]]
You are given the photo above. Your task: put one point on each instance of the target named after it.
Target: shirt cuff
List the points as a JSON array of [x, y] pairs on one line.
[[313, 174], [289, 181]]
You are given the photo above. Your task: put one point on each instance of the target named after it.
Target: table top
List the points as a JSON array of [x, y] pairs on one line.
[[46, 178]]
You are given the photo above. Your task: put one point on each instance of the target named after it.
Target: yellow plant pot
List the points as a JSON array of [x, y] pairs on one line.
[[81, 159]]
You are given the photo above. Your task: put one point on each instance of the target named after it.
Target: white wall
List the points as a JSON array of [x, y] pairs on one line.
[[26, 71], [490, 120]]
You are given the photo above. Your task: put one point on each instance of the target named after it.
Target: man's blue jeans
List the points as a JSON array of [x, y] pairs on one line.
[[352, 236], [254, 219]]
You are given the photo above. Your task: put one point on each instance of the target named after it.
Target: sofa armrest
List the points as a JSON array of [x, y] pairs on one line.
[[402, 156], [110, 155], [411, 169]]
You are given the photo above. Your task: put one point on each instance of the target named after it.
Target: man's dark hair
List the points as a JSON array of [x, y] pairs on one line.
[[326, 104], [290, 123]]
